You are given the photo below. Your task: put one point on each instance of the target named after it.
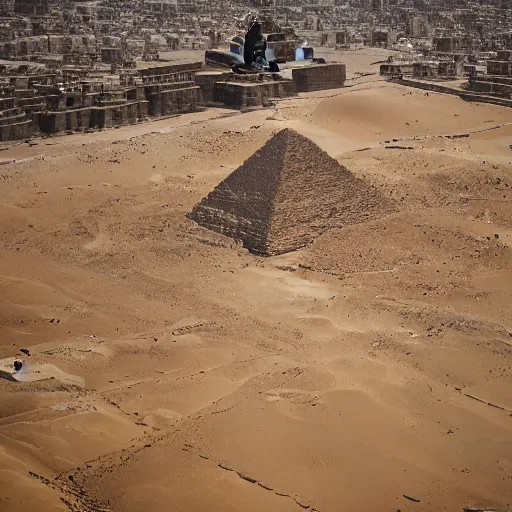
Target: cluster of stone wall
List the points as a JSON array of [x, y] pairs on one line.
[[92, 118], [35, 105], [319, 77], [49, 44]]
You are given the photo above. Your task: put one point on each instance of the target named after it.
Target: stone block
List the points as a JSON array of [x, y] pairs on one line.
[[319, 77], [175, 101]]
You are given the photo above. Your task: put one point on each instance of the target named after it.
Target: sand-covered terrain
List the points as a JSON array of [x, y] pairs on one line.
[[167, 368]]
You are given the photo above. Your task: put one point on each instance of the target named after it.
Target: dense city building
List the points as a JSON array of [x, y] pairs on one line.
[[63, 55]]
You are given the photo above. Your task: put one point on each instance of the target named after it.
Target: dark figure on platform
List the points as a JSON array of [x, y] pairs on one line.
[[255, 46]]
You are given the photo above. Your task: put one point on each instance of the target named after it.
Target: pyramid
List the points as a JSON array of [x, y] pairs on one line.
[[286, 194]]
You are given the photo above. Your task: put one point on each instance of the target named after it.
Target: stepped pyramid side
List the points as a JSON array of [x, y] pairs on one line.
[[240, 206], [316, 193], [286, 194]]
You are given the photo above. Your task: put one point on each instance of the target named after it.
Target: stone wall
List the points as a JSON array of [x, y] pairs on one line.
[[465, 95], [72, 44], [252, 94], [319, 77], [49, 45], [182, 76], [492, 88], [160, 87], [171, 68], [177, 101], [428, 86], [13, 116], [207, 81], [24, 46], [7, 103], [65, 121], [499, 67], [31, 7], [94, 117], [16, 131], [483, 98], [118, 115]]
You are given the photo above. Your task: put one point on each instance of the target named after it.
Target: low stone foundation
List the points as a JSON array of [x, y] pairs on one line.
[[174, 101], [252, 94], [319, 77], [16, 131], [65, 121], [494, 85], [207, 81], [118, 115], [95, 117], [480, 97]]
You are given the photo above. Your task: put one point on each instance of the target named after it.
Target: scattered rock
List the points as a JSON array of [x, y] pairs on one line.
[[301, 503], [186, 325], [247, 478]]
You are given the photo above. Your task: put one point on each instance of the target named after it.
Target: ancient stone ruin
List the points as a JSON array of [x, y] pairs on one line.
[[286, 194]]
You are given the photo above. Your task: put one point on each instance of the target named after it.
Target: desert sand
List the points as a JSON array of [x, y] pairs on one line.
[[171, 369]]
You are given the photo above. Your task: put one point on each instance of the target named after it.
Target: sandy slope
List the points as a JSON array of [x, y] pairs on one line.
[[189, 374]]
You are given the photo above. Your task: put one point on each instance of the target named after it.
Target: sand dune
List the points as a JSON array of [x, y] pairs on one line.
[[402, 112], [168, 368]]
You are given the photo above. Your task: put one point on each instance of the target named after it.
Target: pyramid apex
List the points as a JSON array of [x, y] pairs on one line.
[[289, 131]]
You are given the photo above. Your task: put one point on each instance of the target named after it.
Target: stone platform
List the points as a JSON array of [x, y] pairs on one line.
[[16, 131], [175, 100], [224, 88], [319, 77], [252, 94], [92, 118]]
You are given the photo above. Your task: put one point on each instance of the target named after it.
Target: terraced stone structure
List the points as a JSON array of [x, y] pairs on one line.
[[286, 194]]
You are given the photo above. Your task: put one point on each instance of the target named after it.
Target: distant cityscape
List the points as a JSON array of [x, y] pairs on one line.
[[60, 56]]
